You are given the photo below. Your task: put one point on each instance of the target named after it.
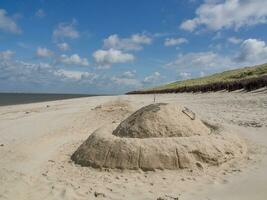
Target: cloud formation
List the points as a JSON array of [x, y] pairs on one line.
[[190, 65], [199, 60], [153, 78], [135, 42], [174, 41], [234, 40], [66, 30], [63, 46], [6, 55], [224, 14], [20, 72], [111, 56], [74, 59], [43, 52], [129, 74], [7, 24], [126, 82], [75, 75], [185, 75], [16, 75], [252, 51]]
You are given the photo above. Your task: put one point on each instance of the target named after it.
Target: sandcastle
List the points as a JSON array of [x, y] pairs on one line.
[[159, 136]]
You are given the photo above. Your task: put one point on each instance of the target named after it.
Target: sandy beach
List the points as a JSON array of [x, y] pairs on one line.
[[38, 139]]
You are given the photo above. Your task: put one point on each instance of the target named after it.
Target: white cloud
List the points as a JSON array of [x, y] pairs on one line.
[[44, 66], [252, 51], [174, 41], [6, 55], [66, 30], [108, 57], [199, 60], [134, 42], [224, 14], [202, 74], [63, 46], [75, 75], [7, 23], [204, 61], [74, 59], [41, 74], [129, 74], [141, 39], [16, 75], [190, 24], [40, 13], [234, 40], [126, 82], [156, 76], [185, 75], [20, 72], [43, 52]]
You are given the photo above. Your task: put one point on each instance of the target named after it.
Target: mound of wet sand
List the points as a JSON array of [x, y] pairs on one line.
[[159, 136]]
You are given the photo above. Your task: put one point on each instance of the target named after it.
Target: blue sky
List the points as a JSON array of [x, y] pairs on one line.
[[114, 46]]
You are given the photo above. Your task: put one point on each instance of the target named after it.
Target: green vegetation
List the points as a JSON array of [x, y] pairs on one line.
[[227, 76]]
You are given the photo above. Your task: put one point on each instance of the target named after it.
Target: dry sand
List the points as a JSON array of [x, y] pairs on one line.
[[36, 142]]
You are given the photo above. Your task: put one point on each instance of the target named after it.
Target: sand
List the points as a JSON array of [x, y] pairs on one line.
[[160, 136], [36, 143], [161, 120]]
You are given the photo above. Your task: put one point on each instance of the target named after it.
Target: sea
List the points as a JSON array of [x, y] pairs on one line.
[[24, 98]]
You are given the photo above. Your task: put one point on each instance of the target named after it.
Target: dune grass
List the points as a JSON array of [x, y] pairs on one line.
[[226, 76]]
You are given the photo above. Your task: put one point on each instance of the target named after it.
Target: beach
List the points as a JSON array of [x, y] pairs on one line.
[[38, 139]]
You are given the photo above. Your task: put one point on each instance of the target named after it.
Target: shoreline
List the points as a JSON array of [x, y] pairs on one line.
[[8, 99]]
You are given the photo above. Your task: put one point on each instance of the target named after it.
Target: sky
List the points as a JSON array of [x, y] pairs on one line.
[[114, 46]]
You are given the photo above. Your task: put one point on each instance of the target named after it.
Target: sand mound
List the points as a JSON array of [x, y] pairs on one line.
[[159, 136], [161, 120], [114, 110], [115, 105]]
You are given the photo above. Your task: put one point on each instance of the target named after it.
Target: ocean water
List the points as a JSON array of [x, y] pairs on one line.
[[22, 98]]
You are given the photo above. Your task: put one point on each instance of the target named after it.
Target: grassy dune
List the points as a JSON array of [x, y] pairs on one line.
[[247, 77], [227, 76]]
